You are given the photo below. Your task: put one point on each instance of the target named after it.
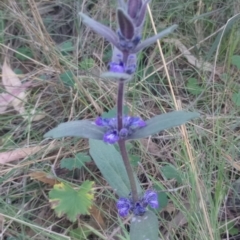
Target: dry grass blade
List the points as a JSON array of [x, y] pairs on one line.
[[205, 66], [185, 136]]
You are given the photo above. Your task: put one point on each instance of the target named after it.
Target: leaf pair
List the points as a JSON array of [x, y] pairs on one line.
[[87, 129], [126, 26]]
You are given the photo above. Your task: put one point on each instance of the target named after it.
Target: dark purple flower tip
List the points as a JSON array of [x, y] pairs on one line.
[[111, 136], [141, 14], [123, 206], [139, 209], [125, 24], [151, 198], [116, 67], [133, 7], [102, 122]]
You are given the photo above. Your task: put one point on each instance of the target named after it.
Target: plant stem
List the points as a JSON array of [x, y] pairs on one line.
[[122, 144], [129, 170], [120, 98]]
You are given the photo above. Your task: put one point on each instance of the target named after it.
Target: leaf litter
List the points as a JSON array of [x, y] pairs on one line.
[[13, 86], [15, 95]]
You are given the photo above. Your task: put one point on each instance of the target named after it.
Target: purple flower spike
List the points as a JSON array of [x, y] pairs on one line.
[[111, 136], [131, 16], [123, 206], [151, 198]]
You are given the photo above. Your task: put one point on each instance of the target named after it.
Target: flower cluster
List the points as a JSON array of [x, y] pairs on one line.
[[126, 205], [112, 135], [126, 41], [116, 65]]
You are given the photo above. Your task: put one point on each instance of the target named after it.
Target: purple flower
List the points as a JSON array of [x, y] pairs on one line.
[[130, 125], [126, 205], [116, 67], [133, 123], [111, 136], [102, 122], [151, 198], [123, 205], [139, 208]]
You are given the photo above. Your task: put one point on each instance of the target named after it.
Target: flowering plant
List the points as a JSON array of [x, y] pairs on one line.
[[104, 132]]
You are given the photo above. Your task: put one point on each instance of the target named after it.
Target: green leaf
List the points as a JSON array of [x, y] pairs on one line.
[[144, 227], [143, 73], [107, 55], [163, 122], [72, 202], [66, 46], [232, 230], [193, 86], [80, 233], [134, 160], [221, 34], [43, 77], [81, 128], [170, 172], [67, 78], [129, 146], [22, 53], [77, 162], [113, 112], [18, 71], [87, 63], [236, 98], [236, 61], [110, 163], [162, 197], [163, 200]]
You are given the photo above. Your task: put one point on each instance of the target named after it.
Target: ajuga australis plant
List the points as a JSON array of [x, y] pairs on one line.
[[102, 133]]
